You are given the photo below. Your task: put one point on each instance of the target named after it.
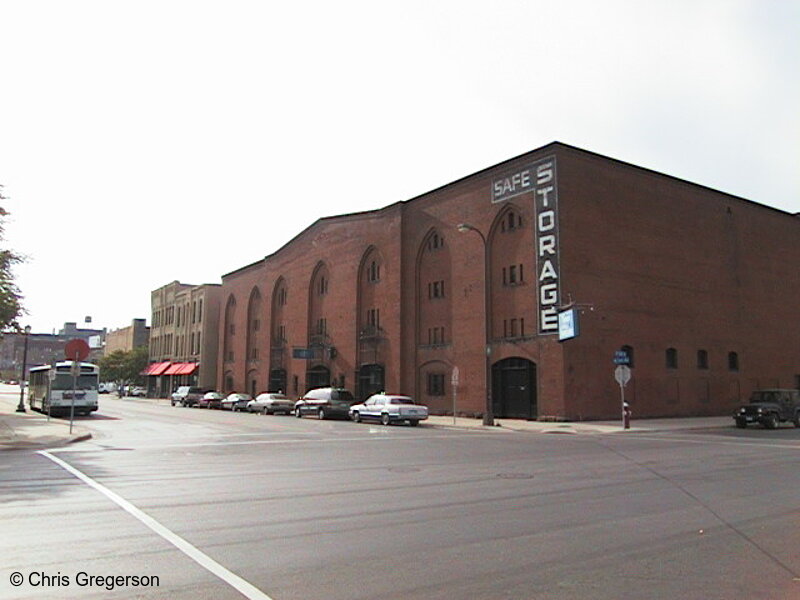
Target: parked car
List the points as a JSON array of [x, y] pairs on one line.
[[187, 395], [770, 407], [270, 403], [235, 402], [325, 402], [137, 391], [389, 408], [211, 400]]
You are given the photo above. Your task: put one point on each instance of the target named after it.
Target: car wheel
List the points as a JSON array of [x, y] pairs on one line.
[[356, 417], [771, 421], [796, 420], [741, 423], [297, 412], [321, 413], [385, 419], [413, 422]]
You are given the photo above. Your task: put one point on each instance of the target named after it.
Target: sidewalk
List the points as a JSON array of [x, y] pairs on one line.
[[587, 427], [27, 430]]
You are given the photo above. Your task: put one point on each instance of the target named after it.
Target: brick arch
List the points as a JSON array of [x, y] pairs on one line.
[[512, 273], [434, 292], [255, 311], [318, 334], [229, 332], [442, 369]]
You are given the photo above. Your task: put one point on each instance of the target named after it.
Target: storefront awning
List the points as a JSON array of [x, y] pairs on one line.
[[156, 369], [188, 368], [173, 369], [181, 369]]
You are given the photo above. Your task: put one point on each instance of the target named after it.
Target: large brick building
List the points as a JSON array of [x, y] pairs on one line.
[[183, 337], [125, 339], [699, 287]]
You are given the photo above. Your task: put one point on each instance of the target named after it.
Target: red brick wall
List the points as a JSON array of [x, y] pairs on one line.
[[655, 263], [667, 264]]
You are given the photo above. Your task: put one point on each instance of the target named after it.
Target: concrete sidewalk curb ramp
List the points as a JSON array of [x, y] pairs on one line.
[[583, 427]]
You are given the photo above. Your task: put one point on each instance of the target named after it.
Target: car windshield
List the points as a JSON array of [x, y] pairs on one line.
[[64, 381]]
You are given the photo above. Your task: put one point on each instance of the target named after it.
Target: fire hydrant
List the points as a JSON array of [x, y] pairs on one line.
[[626, 415]]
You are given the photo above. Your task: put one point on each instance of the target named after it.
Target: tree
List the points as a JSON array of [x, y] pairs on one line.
[[10, 297], [124, 367]]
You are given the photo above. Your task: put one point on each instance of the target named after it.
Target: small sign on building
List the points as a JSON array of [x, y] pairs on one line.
[[568, 325]]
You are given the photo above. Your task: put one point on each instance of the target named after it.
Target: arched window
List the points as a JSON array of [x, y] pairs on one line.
[[733, 361], [671, 356]]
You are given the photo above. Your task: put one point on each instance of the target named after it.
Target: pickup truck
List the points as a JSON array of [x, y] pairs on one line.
[[770, 408], [186, 395]]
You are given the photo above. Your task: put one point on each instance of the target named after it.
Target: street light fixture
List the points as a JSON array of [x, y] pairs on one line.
[[21, 406], [488, 413]]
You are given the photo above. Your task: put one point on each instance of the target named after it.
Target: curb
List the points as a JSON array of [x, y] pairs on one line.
[[25, 445]]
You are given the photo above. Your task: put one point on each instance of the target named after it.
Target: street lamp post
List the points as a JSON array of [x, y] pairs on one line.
[[21, 406], [488, 413]]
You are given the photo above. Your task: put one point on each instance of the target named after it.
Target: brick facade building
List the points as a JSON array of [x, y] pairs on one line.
[[695, 284], [183, 337], [125, 339]]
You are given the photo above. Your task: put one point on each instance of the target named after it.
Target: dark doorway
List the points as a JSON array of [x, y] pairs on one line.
[[277, 380], [319, 376], [514, 389], [371, 380]]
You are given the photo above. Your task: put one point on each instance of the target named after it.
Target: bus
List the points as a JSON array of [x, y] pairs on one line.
[[50, 388]]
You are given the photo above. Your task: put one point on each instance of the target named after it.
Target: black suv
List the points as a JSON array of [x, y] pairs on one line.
[[325, 402], [770, 407]]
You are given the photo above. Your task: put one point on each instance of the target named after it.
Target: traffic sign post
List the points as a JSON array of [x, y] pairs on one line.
[[76, 350], [454, 384], [622, 374]]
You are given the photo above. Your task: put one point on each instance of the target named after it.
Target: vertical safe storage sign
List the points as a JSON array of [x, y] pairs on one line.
[[540, 179]]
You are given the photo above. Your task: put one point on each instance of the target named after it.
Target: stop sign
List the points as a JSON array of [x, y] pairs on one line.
[[76, 349]]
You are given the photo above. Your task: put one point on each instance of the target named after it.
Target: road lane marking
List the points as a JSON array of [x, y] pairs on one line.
[[244, 587]]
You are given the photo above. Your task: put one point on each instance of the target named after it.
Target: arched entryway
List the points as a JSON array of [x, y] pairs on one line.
[[319, 376], [371, 380], [277, 380], [514, 388]]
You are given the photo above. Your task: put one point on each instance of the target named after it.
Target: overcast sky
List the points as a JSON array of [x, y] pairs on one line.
[[144, 142]]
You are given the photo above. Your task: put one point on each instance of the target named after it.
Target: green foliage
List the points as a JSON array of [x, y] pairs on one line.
[[10, 297], [123, 366]]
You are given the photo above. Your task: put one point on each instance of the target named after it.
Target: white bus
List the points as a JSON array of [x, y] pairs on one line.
[[50, 388]]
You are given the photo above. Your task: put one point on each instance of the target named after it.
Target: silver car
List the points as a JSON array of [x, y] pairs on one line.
[[236, 402], [270, 403], [389, 408]]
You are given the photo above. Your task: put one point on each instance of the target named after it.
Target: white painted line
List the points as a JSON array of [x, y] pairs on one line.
[[205, 561]]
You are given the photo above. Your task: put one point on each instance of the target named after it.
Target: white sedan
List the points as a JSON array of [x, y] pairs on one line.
[[389, 408], [270, 403]]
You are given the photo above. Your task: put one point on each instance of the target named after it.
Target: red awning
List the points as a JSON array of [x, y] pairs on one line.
[[173, 369], [181, 369], [156, 369], [188, 368]]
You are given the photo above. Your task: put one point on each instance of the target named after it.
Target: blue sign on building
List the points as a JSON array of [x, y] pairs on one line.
[[621, 358]]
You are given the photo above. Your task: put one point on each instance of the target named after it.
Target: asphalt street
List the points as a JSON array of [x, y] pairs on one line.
[[229, 505]]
